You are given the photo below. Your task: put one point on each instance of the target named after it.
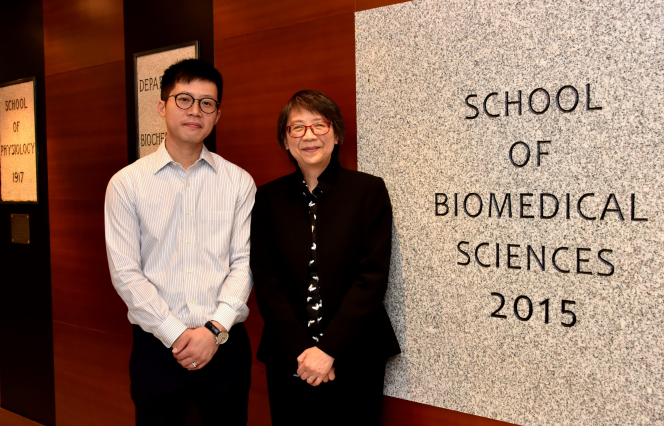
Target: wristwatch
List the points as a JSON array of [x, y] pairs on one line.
[[220, 337]]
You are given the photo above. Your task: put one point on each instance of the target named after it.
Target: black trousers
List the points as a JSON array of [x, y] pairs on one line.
[[162, 390], [353, 398]]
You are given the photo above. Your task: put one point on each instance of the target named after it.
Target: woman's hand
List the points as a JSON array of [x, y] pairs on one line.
[[330, 375], [315, 366]]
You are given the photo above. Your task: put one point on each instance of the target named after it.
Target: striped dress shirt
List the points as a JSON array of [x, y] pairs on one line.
[[178, 242]]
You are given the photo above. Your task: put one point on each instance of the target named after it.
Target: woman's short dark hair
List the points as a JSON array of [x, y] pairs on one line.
[[188, 70], [313, 101]]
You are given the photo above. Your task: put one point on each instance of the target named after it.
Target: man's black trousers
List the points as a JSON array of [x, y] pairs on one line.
[[162, 390]]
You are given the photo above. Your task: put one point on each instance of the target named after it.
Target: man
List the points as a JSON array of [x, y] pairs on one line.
[[177, 236]]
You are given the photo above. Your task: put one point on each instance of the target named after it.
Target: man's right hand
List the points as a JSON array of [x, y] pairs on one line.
[[195, 345], [182, 341]]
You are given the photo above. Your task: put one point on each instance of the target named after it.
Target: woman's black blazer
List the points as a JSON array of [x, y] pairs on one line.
[[354, 225]]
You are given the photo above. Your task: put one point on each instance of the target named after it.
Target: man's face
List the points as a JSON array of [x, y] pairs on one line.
[[189, 126]]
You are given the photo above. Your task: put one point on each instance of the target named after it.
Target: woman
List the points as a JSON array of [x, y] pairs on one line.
[[320, 255]]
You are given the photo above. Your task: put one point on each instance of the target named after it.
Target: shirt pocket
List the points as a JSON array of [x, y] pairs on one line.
[[216, 231]]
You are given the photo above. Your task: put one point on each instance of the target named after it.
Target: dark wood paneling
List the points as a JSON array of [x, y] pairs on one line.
[[259, 404], [263, 70], [23, 391], [91, 377], [27, 385], [7, 418], [82, 33], [254, 324], [399, 412], [239, 17], [371, 4], [86, 137]]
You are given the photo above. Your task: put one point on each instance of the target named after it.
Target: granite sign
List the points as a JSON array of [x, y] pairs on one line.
[[521, 145]]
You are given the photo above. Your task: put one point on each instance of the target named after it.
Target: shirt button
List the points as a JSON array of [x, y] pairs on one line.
[[188, 184], [188, 241], [188, 213], [189, 271], [192, 300]]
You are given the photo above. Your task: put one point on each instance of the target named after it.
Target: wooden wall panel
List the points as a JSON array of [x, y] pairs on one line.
[[254, 324], [371, 4], [82, 33], [91, 377], [86, 137], [263, 70], [27, 386], [239, 17], [7, 418], [259, 404], [399, 412]]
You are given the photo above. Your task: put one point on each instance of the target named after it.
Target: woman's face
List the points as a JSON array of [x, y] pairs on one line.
[[310, 151]]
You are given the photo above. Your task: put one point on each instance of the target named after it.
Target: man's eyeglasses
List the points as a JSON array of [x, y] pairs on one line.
[[319, 129], [185, 101]]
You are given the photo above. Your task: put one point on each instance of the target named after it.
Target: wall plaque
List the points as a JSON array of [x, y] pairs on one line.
[[521, 143], [18, 147], [20, 228], [148, 68]]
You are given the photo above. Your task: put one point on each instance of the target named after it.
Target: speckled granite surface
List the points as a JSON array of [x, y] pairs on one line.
[[416, 64]]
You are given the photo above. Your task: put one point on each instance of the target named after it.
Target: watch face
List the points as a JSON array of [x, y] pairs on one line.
[[222, 337]]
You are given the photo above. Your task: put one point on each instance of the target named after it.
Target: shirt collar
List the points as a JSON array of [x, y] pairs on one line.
[[162, 158], [326, 179], [207, 156]]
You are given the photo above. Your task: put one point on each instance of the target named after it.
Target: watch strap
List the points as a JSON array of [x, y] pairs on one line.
[[220, 337], [212, 328]]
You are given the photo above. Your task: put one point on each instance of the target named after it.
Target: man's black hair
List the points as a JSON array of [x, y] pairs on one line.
[[188, 70]]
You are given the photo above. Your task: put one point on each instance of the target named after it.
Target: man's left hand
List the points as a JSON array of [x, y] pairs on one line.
[[199, 349]]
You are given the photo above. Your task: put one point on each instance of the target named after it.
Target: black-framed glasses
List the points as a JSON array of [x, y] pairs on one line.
[[299, 130], [186, 101]]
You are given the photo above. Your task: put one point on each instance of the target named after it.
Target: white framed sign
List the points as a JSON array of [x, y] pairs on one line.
[[18, 142], [149, 67]]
